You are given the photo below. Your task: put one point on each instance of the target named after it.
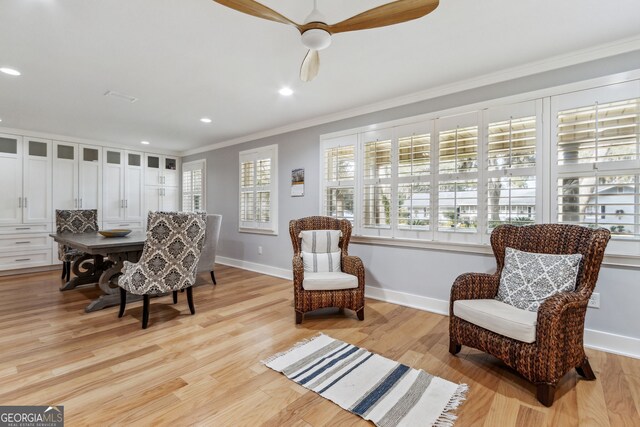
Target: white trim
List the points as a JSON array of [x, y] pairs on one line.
[[408, 300], [585, 55], [72, 139], [200, 164], [282, 273], [597, 340]]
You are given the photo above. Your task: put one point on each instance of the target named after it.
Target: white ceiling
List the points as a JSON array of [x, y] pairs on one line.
[[187, 59]]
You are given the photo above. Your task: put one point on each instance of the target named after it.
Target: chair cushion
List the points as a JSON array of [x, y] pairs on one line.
[[324, 262], [498, 317], [320, 241], [530, 278], [329, 281]]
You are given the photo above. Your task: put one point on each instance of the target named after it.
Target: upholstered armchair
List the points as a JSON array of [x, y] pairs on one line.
[[314, 290], [168, 261], [208, 256], [541, 346], [73, 221]]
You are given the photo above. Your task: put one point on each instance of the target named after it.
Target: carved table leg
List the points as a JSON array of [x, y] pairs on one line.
[[108, 283], [87, 269]]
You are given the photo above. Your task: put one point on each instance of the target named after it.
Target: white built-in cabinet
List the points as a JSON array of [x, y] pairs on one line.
[[39, 176], [161, 183], [25, 205], [123, 185]]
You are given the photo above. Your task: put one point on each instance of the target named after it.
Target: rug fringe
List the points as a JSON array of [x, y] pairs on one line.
[[295, 346], [448, 416]]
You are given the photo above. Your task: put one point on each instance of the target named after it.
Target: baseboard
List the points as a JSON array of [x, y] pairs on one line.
[[598, 340], [283, 273], [408, 300], [30, 270]]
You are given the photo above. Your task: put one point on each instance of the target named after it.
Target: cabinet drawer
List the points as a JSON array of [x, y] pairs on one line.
[[133, 225], [24, 259], [21, 242], [25, 228]]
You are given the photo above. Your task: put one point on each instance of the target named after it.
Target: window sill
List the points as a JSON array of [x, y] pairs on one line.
[[258, 231], [612, 260]]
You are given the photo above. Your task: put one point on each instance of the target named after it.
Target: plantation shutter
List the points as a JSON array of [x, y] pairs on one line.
[[193, 186], [339, 170], [257, 189], [376, 198]]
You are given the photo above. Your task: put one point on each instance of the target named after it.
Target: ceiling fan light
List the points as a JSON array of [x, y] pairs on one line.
[[316, 39]]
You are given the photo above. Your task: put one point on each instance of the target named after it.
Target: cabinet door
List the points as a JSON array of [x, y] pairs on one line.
[[152, 169], [11, 179], [37, 181], [113, 185], [170, 201], [90, 184], [134, 184], [170, 171], [152, 196], [65, 176]]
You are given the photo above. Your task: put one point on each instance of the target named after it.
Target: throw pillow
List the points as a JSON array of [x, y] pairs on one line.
[[530, 278], [321, 262], [320, 241]]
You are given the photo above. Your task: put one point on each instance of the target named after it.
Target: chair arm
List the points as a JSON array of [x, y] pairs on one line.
[[298, 272], [353, 265], [475, 286], [561, 320]]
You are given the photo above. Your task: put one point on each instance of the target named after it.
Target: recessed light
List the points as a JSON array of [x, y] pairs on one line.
[[144, 142], [10, 71], [205, 120], [286, 91]]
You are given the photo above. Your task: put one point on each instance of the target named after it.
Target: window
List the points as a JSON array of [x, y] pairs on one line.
[[598, 161], [339, 173], [258, 190], [193, 186]]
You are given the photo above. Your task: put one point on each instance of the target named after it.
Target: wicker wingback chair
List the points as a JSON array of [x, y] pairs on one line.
[[168, 261], [73, 221], [558, 346], [309, 300]]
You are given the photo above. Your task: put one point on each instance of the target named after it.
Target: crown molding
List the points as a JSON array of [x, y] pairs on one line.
[[560, 61]]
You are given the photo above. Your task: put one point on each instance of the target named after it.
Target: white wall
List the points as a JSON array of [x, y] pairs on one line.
[[423, 273]]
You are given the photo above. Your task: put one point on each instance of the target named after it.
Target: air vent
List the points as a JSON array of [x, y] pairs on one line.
[[122, 96]]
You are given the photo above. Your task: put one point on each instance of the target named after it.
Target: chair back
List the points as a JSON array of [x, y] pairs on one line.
[[76, 220], [208, 256], [320, 223], [171, 251], [559, 239]]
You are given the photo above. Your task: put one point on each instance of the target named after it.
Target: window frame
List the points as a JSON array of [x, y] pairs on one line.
[[200, 164], [255, 155]]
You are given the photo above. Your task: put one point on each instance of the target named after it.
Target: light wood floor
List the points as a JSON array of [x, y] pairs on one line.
[[205, 369]]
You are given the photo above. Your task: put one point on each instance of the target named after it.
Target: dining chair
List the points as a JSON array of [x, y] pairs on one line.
[[208, 256], [73, 221]]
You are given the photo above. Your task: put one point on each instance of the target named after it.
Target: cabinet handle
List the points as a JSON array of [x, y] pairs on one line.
[[25, 202], [23, 259], [75, 203], [19, 202], [22, 243], [123, 225], [80, 202], [23, 228], [126, 203]]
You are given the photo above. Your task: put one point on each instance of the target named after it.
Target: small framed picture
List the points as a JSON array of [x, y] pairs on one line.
[[297, 182]]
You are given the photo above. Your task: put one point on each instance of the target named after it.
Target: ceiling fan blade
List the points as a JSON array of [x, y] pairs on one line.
[[251, 7], [310, 66], [387, 14]]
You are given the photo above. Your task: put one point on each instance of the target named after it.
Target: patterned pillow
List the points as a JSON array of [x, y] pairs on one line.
[[530, 278], [320, 241], [321, 262]]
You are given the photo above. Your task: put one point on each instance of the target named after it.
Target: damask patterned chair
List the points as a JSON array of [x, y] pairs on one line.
[[341, 284], [168, 261], [73, 221], [541, 346]]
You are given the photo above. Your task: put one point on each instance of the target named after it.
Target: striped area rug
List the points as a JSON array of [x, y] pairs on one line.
[[367, 384]]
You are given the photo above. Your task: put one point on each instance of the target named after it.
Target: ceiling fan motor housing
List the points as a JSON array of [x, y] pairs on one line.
[[316, 39]]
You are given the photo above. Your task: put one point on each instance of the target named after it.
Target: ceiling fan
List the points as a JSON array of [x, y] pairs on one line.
[[316, 33]]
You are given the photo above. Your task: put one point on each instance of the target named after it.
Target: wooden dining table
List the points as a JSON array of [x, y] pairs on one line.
[[101, 263]]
